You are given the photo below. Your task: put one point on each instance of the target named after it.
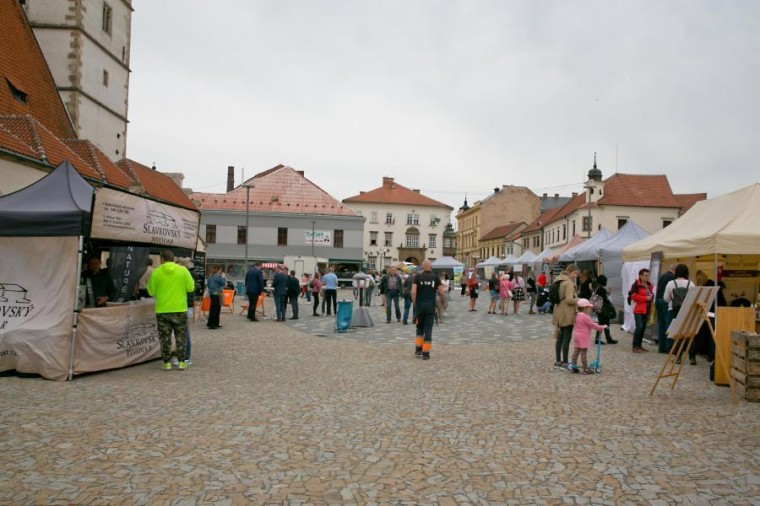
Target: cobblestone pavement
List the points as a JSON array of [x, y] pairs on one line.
[[269, 414]]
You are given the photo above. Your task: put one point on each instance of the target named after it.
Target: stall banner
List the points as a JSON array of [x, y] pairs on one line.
[[319, 237], [38, 283], [127, 264], [116, 336], [124, 217]]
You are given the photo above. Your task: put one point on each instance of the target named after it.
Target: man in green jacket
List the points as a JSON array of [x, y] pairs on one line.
[[169, 284]]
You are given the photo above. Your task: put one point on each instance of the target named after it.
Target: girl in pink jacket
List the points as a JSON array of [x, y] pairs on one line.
[[582, 330]]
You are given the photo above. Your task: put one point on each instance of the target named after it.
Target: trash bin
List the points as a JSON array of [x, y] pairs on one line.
[[343, 315]]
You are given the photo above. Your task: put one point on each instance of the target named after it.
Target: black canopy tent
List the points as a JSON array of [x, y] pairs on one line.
[[42, 209]]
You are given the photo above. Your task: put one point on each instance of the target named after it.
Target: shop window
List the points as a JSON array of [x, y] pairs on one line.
[[210, 234], [282, 236], [242, 235], [338, 239]]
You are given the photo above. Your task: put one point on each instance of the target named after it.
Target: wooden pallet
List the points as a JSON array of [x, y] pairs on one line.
[[745, 364]]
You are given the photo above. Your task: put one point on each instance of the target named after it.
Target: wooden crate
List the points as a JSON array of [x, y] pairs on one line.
[[745, 364]]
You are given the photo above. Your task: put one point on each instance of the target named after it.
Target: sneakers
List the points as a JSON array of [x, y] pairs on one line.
[[418, 352], [189, 362], [560, 365], [167, 366], [182, 366], [175, 362], [426, 356]]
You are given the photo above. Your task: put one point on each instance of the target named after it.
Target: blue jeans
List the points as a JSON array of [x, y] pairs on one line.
[[280, 300], [641, 326], [663, 322], [407, 305], [392, 296]]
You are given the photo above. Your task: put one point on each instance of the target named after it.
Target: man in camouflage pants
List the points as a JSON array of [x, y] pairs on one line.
[[169, 284]]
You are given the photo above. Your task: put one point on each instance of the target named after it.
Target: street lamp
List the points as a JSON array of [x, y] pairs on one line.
[[247, 219]]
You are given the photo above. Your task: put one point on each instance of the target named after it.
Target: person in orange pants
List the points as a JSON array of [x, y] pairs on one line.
[[425, 288]]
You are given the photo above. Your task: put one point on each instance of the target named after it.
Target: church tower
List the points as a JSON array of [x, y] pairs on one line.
[[594, 184], [86, 44]]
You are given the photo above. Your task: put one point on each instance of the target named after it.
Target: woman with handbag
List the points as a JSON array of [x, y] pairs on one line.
[[603, 317]]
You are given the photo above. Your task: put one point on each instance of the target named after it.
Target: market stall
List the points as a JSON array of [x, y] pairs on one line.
[[721, 237], [43, 327]]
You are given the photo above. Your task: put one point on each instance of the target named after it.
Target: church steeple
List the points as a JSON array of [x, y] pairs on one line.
[[595, 174], [464, 207]]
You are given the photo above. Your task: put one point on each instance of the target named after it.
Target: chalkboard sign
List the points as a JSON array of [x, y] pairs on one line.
[[199, 260]]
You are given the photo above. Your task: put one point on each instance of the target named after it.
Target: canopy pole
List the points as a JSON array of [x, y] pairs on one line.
[[76, 309]]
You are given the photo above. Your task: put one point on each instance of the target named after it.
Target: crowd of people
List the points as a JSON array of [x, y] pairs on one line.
[[423, 298]]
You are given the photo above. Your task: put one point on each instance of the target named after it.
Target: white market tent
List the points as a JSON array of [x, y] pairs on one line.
[[728, 225], [541, 257], [586, 251], [527, 258], [447, 263], [490, 262], [508, 260]]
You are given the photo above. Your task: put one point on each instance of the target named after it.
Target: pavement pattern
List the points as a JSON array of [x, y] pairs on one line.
[[293, 413]]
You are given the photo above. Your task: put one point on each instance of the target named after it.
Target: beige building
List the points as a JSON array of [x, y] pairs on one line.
[[401, 224], [508, 204], [498, 243], [86, 44]]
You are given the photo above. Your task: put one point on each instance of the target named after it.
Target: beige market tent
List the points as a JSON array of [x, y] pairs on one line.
[[724, 225]]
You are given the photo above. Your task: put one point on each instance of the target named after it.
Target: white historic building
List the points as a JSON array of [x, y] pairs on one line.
[[86, 44], [401, 224]]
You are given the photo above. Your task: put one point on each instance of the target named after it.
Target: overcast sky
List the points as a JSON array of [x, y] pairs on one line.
[[450, 97]]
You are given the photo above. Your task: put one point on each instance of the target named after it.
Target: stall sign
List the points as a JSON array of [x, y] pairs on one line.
[[120, 216]]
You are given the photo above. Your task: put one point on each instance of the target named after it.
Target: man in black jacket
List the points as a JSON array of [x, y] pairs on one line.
[[294, 289]]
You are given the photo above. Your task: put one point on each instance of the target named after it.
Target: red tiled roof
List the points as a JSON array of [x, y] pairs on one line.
[[10, 142], [155, 184], [575, 203], [90, 153], [502, 231], [46, 146], [686, 200], [23, 66], [394, 193], [638, 190], [280, 189]]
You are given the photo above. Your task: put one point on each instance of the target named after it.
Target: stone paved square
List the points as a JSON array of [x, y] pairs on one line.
[[294, 413]]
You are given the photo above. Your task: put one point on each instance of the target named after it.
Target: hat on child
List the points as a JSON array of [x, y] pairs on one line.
[[584, 303]]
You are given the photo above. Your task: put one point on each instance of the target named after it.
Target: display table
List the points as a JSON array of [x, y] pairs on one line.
[[117, 336], [728, 319]]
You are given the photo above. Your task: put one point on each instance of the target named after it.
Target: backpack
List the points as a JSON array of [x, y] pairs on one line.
[[679, 294], [597, 302], [554, 293]]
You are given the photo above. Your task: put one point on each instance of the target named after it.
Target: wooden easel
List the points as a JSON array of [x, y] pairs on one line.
[[684, 328]]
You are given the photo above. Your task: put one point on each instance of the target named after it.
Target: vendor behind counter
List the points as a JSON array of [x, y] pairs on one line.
[[100, 287]]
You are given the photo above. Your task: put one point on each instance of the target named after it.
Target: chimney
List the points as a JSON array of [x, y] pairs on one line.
[[545, 195], [556, 195], [575, 194], [416, 190], [496, 190], [362, 192], [300, 172], [230, 178], [387, 182]]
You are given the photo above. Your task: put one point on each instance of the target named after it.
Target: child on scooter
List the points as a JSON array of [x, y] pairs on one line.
[[584, 325]]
